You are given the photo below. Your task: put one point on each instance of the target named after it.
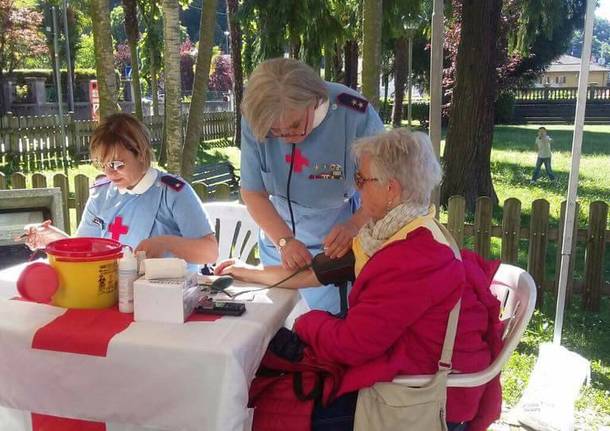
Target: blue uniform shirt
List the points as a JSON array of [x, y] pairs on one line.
[[322, 188], [159, 204]]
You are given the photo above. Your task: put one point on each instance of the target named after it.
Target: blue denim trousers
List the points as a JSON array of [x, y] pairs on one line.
[[339, 416], [547, 166]]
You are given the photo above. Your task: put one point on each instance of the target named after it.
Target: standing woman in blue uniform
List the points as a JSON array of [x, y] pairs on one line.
[[297, 169], [137, 204]]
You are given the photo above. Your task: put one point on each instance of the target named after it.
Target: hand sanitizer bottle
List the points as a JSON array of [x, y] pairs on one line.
[[128, 273]]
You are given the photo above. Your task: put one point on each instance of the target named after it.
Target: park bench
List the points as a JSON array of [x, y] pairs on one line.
[[214, 174]]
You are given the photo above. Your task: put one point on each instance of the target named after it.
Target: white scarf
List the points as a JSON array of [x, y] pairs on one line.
[[374, 234]]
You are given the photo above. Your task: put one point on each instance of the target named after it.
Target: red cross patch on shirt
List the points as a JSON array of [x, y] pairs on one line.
[[117, 228], [299, 160]]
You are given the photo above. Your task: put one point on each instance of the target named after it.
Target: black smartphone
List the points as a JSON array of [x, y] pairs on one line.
[[222, 308]]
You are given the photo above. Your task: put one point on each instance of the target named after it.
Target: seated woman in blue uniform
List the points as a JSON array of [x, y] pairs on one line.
[[297, 166], [137, 204]]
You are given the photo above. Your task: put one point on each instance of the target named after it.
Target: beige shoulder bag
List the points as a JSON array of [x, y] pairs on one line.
[[391, 406]]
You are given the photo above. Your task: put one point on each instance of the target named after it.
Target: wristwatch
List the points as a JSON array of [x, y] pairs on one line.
[[283, 242]]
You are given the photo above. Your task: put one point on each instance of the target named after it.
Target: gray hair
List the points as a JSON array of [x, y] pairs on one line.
[[405, 156], [276, 86]]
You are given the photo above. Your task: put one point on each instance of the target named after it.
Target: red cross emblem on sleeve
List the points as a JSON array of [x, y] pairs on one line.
[[117, 228], [299, 160]]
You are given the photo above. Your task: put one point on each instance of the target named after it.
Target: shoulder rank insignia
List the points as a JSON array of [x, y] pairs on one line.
[[100, 180], [172, 182], [354, 102]]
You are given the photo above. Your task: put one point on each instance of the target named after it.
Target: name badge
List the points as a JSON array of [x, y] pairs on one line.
[[327, 171]]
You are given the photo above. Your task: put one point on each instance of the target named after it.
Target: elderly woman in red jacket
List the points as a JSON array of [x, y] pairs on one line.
[[408, 280]]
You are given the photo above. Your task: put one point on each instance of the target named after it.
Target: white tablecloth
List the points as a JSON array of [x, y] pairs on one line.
[[155, 376]]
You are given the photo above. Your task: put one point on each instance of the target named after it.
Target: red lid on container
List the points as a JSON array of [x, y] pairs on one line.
[[38, 282], [84, 249]]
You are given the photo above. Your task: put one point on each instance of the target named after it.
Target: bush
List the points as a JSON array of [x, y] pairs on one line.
[[85, 56], [221, 78], [505, 107], [419, 112]]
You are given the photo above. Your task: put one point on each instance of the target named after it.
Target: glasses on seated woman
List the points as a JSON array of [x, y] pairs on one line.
[[115, 165]]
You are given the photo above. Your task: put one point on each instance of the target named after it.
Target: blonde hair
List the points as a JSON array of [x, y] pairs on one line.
[[121, 130], [278, 85], [405, 156]]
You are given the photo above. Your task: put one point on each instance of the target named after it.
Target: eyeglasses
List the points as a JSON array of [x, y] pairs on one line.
[[115, 165], [276, 133], [360, 180]]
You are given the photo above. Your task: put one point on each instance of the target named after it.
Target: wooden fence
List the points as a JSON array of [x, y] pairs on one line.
[[479, 234], [33, 143]]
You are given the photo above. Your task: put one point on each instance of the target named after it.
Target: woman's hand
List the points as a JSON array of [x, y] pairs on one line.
[[237, 269], [295, 255], [38, 235], [339, 239], [156, 246]]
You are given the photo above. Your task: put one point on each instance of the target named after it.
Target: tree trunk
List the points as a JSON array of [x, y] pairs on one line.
[[200, 87], [328, 63], [337, 62], [467, 170], [248, 58], [372, 12], [351, 64], [295, 47], [104, 60], [400, 77], [238, 74], [173, 85], [383, 112], [131, 29], [154, 83]]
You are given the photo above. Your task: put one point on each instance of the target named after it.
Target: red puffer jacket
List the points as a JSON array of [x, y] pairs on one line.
[[396, 323]]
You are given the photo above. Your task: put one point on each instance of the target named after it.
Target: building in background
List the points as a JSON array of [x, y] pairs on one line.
[[564, 71]]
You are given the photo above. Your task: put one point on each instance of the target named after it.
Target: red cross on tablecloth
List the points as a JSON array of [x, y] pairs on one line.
[[299, 160], [117, 228]]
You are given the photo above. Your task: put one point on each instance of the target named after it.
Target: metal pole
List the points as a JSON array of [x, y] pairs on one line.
[[581, 102], [436, 89], [409, 81], [68, 60], [59, 93]]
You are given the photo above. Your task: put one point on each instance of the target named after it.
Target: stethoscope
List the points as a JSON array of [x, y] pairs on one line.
[[294, 233], [343, 286]]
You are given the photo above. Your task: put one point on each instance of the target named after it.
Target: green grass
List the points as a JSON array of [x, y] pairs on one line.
[[513, 158], [584, 333]]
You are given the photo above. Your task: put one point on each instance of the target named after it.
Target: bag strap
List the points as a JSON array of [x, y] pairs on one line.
[[447, 353], [448, 343], [297, 386]]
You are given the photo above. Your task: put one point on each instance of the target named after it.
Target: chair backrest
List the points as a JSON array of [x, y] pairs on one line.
[[236, 232], [516, 291]]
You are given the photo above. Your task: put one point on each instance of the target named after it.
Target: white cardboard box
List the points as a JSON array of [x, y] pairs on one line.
[[166, 300]]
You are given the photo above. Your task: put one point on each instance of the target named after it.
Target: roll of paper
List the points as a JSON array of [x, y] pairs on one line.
[[165, 267]]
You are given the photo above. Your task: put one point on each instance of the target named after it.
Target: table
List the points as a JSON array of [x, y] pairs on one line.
[[154, 376]]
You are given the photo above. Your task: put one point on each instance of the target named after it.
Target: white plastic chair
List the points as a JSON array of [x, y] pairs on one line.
[[516, 291], [236, 232]]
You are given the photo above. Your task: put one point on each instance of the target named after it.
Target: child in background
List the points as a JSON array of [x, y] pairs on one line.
[[543, 144]]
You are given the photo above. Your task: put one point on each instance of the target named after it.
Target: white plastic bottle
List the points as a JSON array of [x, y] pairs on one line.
[[128, 273]]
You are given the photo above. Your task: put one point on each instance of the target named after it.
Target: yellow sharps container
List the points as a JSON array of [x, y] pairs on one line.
[[88, 271]]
